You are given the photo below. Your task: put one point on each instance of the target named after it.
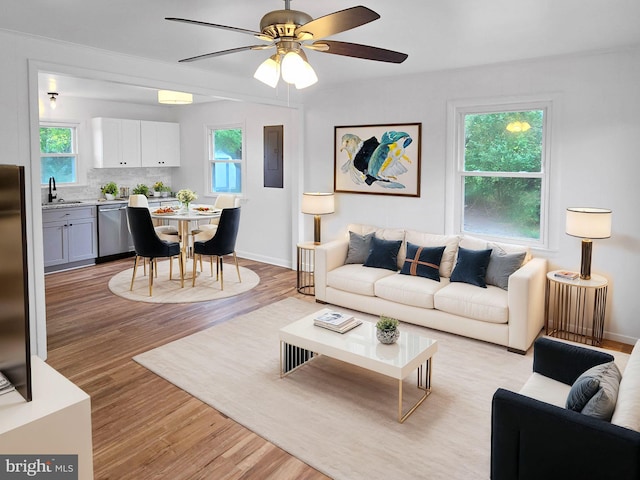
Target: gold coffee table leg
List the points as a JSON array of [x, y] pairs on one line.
[[423, 383]]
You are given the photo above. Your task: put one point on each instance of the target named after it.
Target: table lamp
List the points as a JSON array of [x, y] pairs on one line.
[[588, 223], [317, 204]]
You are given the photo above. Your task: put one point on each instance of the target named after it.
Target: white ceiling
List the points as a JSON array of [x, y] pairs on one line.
[[436, 34]]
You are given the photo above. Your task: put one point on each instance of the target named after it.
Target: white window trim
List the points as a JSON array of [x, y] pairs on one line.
[[76, 148], [208, 148], [456, 110]]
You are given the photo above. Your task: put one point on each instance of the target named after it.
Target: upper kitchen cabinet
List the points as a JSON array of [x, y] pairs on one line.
[[116, 143], [160, 143]]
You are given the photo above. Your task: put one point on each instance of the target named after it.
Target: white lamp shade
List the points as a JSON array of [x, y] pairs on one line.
[[318, 203], [292, 67], [306, 76], [170, 97], [269, 71], [588, 222]]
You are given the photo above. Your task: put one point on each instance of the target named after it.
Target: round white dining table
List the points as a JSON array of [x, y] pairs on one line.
[[184, 221]]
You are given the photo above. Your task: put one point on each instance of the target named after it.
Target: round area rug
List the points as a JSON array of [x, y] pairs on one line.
[[169, 291]]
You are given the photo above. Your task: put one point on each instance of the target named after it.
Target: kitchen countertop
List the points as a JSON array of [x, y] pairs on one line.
[[84, 203]]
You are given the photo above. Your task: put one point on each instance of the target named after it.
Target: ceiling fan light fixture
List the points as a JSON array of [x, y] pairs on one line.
[[306, 77], [269, 71], [53, 97], [169, 97], [293, 67]]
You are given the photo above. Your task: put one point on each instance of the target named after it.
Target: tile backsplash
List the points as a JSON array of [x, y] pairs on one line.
[[97, 177]]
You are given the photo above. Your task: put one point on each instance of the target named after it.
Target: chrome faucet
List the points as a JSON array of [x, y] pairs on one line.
[[52, 180]]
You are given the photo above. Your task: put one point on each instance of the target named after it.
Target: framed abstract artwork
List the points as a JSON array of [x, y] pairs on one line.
[[378, 159]]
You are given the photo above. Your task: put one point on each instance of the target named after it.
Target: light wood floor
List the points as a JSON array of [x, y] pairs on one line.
[[143, 426]]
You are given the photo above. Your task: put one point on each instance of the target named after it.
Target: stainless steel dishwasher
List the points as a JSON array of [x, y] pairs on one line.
[[113, 232]]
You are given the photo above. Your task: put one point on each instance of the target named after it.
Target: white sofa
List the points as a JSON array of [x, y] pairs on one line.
[[512, 317]]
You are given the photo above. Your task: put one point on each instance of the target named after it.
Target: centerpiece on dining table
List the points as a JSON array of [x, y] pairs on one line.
[[186, 196]]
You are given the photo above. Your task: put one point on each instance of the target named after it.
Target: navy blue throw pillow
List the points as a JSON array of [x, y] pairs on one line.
[[423, 261], [383, 254], [471, 267]]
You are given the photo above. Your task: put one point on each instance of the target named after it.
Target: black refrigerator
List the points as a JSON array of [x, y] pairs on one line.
[[15, 351]]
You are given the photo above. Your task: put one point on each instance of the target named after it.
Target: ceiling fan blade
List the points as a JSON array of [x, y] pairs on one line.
[[226, 52], [223, 27], [337, 22], [359, 51]]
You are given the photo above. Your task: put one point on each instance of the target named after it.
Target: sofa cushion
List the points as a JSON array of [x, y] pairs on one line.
[[471, 267], [423, 261], [450, 243], [546, 390], [582, 390], [383, 233], [359, 246], [475, 243], [356, 278], [409, 290], [501, 266], [383, 254], [603, 402], [486, 304], [627, 411]]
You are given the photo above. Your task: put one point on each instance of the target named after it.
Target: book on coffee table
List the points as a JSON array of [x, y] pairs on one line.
[[352, 323], [336, 319]]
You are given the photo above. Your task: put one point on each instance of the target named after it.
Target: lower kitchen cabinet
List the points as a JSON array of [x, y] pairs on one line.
[[69, 237]]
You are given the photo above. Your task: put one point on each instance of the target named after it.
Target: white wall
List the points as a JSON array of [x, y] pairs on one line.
[[267, 231], [596, 127]]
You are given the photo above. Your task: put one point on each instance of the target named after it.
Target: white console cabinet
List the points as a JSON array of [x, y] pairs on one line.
[[56, 421]]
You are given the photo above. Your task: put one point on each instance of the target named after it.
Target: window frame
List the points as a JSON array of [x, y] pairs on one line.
[[211, 161], [457, 111], [74, 145]]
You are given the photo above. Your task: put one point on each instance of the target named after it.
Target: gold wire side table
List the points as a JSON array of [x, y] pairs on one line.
[[575, 309], [306, 268]]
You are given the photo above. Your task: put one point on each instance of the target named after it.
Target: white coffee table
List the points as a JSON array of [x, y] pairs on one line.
[[302, 341]]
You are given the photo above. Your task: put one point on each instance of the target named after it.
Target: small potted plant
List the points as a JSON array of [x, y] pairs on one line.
[[165, 191], [110, 190], [387, 330], [158, 187], [141, 189]]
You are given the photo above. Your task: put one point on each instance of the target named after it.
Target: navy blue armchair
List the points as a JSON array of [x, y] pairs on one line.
[[535, 440]]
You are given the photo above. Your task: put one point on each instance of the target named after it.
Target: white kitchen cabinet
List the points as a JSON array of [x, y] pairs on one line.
[[116, 143], [160, 144], [69, 237]]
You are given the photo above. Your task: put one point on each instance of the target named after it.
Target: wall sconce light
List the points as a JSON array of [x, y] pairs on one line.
[[588, 223], [53, 97], [317, 204]]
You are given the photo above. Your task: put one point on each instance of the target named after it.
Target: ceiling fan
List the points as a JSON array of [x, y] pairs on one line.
[[288, 31]]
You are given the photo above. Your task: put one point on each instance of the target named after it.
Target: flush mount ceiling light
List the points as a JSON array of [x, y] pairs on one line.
[[288, 31], [170, 97], [518, 127], [53, 97]]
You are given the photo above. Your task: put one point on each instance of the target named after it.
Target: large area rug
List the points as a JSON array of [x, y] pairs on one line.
[[342, 419], [169, 291]]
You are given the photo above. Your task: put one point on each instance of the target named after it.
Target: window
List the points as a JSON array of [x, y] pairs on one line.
[[501, 173], [58, 153], [225, 160]]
